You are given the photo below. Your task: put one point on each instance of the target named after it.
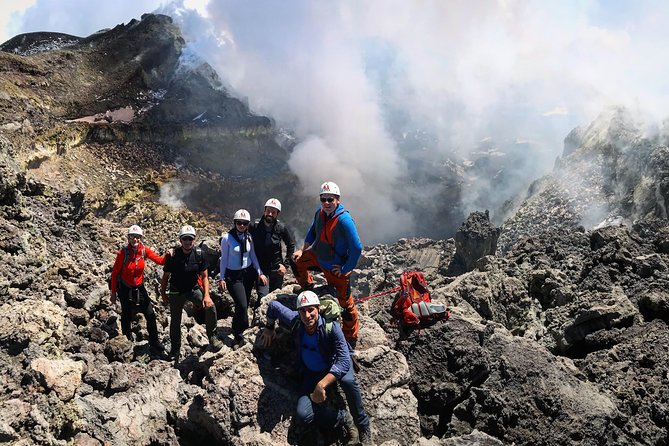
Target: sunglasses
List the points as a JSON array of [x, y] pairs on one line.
[[328, 199], [187, 239], [135, 236], [241, 223]]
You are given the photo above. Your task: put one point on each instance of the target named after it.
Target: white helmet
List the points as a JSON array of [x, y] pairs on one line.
[[273, 202], [187, 230], [135, 230], [242, 215], [330, 188], [307, 299]]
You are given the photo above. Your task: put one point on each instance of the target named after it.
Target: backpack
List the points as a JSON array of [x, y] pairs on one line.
[[412, 305], [330, 311], [126, 255]]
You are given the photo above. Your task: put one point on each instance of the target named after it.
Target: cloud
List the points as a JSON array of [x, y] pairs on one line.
[[557, 111], [351, 79]]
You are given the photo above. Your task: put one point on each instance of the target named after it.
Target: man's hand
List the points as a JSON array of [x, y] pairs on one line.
[[318, 395], [267, 336], [281, 270], [222, 285], [163, 294], [207, 302], [263, 279], [296, 255], [336, 270]]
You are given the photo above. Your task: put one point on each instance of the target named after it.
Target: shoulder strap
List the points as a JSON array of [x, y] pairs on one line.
[[126, 255]]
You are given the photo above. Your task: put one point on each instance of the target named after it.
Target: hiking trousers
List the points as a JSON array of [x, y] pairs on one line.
[[177, 301], [343, 286], [240, 284], [136, 300], [324, 415], [275, 282]]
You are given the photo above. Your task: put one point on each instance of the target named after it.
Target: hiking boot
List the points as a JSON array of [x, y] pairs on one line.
[[174, 355], [366, 436], [238, 342], [215, 344], [350, 431], [157, 349]]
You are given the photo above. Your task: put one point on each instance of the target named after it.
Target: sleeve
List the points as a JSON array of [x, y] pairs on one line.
[[169, 265], [311, 233], [289, 240], [342, 357], [224, 254], [151, 254], [254, 258], [116, 271], [354, 244], [277, 311]]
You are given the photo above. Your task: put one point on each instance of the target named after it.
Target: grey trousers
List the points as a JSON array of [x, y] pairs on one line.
[[177, 301]]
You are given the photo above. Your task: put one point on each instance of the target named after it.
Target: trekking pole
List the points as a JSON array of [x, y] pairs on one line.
[[362, 299]]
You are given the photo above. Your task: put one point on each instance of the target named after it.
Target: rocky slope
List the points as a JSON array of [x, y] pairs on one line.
[[558, 332]]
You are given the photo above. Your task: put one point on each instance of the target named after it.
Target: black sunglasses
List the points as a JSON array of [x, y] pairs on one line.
[[189, 239], [328, 199], [241, 223]]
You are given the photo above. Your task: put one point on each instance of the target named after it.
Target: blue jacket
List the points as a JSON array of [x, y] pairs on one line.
[[347, 245], [333, 348]]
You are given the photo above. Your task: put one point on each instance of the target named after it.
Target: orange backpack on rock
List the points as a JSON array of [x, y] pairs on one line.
[[412, 305]]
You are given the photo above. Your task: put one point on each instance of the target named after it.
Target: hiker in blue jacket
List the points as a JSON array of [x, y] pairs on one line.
[[332, 245], [324, 359], [239, 270]]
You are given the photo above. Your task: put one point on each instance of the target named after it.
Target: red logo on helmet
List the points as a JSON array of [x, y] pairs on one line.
[[326, 187]]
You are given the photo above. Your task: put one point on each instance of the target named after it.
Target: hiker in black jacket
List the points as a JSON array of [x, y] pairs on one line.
[[186, 274], [268, 233]]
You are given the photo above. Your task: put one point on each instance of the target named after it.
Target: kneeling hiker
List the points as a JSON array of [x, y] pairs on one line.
[[325, 359], [128, 284], [186, 272]]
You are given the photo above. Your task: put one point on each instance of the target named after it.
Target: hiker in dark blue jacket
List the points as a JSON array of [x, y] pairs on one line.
[[324, 359]]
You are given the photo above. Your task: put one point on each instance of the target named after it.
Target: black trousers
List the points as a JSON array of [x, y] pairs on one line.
[[240, 283], [137, 300], [275, 282]]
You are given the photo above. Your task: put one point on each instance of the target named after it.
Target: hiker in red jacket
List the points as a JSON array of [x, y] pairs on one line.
[[128, 284]]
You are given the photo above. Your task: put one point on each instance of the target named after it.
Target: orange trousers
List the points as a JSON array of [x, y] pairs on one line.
[[341, 283]]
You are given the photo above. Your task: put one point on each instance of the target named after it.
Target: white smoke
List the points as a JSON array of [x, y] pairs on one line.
[[174, 193], [348, 77]]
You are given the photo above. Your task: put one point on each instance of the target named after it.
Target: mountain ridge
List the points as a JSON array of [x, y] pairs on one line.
[[559, 318]]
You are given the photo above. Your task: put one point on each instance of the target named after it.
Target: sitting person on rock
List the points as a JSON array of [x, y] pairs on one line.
[[323, 359], [128, 285], [239, 270], [186, 272]]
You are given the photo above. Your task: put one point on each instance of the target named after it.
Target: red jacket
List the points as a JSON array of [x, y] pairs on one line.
[[131, 272]]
